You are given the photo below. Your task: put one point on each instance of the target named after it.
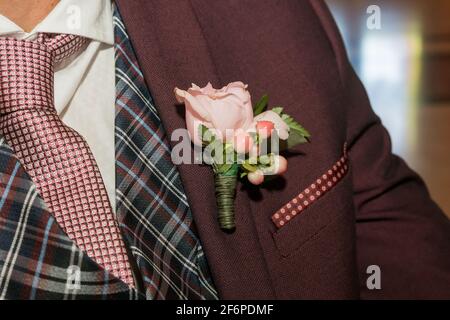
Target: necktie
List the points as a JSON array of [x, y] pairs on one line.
[[55, 156]]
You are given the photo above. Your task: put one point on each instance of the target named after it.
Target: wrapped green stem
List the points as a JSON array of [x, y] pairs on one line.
[[225, 195]]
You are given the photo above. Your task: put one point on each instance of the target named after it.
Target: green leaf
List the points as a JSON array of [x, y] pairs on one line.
[[206, 136], [223, 168], [202, 129], [293, 140], [261, 105], [277, 110], [297, 133], [249, 167], [294, 126], [229, 154]]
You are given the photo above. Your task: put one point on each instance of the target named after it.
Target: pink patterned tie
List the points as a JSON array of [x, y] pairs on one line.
[[56, 157]]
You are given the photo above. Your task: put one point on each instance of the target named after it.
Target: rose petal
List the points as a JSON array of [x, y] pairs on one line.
[[242, 142], [192, 103]]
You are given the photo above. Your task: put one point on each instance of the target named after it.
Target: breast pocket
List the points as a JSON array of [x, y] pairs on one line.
[[313, 209]]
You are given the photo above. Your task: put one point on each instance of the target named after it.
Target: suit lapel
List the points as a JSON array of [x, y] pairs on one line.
[[37, 259], [172, 52]]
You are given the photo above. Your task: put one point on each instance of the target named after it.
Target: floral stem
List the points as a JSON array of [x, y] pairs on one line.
[[225, 195]]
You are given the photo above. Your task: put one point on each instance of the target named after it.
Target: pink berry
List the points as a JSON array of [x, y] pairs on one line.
[[264, 128], [280, 165], [256, 177]]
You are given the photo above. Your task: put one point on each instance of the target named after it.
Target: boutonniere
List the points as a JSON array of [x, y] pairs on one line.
[[239, 140]]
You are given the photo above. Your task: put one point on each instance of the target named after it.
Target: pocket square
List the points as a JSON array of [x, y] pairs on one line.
[[311, 194]]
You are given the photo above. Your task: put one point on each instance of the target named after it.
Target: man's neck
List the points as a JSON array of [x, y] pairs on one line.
[[27, 13]]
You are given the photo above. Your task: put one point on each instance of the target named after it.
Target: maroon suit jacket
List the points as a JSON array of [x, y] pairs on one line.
[[379, 214]]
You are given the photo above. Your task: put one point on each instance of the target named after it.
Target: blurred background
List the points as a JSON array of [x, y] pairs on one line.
[[403, 59]]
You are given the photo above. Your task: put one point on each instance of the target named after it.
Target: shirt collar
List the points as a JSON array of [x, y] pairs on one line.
[[86, 18]]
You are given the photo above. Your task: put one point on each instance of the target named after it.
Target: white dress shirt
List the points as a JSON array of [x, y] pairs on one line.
[[85, 85]]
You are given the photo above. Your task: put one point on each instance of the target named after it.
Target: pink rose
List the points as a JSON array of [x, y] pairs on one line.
[[226, 110]]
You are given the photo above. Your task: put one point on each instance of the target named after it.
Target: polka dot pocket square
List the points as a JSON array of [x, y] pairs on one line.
[[321, 186]]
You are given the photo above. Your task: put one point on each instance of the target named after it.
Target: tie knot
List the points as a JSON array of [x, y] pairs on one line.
[[62, 46], [27, 70]]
